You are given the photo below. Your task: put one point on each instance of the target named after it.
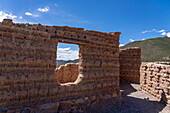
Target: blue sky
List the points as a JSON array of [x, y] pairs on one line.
[[135, 19]]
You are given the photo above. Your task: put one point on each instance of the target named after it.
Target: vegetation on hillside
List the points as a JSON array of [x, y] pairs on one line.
[[155, 49]]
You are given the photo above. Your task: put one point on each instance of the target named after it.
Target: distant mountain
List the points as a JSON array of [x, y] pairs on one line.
[[63, 62], [154, 49]]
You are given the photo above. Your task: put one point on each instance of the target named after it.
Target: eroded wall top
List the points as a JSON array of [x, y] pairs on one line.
[[62, 33]]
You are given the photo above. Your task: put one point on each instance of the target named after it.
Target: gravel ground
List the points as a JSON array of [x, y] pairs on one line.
[[132, 101]]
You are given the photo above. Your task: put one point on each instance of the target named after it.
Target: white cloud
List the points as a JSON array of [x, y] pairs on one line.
[[120, 45], [45, 9], [56, 5], [30, 14], [20, 17], [145, 31], [67, 54], [163, 33], [168, 34], [4, 15], [153, 30], [143, 39], [131, 40], [16, 19], [64, 49]]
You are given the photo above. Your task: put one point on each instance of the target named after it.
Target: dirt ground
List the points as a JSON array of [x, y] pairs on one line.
[[132, 101]]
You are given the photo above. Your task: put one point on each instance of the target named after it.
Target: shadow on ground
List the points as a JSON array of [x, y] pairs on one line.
[[132, 101]]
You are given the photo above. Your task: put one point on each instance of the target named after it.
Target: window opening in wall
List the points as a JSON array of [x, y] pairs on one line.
[[67, 67]]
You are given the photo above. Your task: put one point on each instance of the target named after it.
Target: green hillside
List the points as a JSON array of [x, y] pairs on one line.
[[154, 49]]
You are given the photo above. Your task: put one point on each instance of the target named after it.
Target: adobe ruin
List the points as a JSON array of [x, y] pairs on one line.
[[30, 81], [130, 62], [28, 62], [155, 79]]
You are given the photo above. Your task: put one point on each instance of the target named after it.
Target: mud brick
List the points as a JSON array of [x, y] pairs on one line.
[[28, 60], [156, 79], [130, 61]]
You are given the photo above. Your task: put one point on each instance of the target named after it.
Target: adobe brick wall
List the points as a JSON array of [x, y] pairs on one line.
[[67, 73], [28, 61], [155, 79], [130, 61]]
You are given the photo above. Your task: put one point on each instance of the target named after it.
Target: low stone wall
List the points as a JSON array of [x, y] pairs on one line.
[[130, 61], [67, 73], [155, 79]]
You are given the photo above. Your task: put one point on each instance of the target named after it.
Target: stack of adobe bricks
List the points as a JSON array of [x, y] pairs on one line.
[[130, 61], [155, 79], [67, 73], [28, 61]]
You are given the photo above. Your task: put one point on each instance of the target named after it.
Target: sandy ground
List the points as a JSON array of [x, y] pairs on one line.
[[132, 101]]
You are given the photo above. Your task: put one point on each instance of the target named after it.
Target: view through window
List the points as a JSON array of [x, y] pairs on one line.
[[67, 53], [67, 69]]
